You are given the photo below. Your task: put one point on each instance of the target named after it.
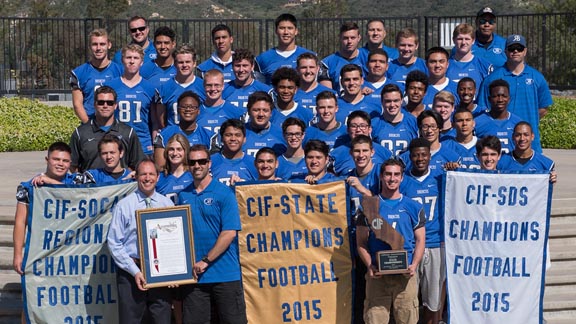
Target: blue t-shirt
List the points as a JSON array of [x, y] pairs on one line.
[[308, 99], [170, 185], [87, 79], [538, 162], [291, 170], [278, 116], [426, 191], [198, 136], [451, 87], [367, 104], [223, 168], [210, 118], [477, 69], [168, 95], [405, 215], [344, 163], [101, 176], [391, 51], [238, 96], [397, 71], [467, 152], [134, 109], [270, 137], [492, 52], [157, 75], [150, 53], [503, 129], [437, 159], [329, 137], [395, 137], [333, 63], [215, 63], [214, 210], [270, 61]]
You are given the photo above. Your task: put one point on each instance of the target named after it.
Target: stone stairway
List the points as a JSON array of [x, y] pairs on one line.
[[559, 300], [560, 293], [10, 290]]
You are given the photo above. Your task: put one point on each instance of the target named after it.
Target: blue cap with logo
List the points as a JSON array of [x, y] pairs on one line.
[[515, 39]]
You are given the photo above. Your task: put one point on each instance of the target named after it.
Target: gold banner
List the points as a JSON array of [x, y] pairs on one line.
[[295, 252]]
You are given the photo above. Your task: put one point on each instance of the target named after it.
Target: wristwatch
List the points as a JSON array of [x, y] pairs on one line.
[[206, 260]]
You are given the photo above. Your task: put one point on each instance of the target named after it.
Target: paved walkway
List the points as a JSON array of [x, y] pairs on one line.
[[18, 166]]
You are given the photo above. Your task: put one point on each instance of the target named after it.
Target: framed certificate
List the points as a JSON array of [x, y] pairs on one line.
[[166, 245]]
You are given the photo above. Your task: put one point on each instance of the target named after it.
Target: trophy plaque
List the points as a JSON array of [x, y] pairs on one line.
[[395, 260]]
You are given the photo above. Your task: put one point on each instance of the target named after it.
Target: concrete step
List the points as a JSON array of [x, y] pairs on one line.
[[562, 320], [562, 230], [6, 217], [563, 301], [561, 252], [6, 255], [6, 234]]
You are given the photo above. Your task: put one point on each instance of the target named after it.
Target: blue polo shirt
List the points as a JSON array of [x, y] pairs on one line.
[[214, 210], [528, 93]]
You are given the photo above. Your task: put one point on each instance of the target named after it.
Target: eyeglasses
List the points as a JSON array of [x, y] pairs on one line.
[[138, 29], [192, 108], [199, 161], [359, 126], [297, 135], [515, 48], [482, 21], [105, 102], [428, 127]]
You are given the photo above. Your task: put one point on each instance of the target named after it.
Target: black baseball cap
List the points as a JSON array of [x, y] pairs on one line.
[[486, 11]]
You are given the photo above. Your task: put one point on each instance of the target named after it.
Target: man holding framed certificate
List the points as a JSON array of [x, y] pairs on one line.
[[396, 214], [215, 222], [133, 296]]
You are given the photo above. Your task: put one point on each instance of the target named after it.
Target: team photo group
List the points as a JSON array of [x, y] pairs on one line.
[[367, 186]]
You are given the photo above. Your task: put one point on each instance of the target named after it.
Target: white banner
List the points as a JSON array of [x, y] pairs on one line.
[[70, 276], [496, 232]]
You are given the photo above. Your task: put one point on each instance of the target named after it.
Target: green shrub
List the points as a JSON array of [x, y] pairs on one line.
[[558, 127], [28, 125]]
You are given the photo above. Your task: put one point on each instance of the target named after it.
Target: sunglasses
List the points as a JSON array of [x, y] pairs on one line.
[[138, 29], [515, 48], [105, 102], [199, 161], [482, 21]]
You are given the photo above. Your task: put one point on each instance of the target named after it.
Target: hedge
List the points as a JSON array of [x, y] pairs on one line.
[[28, 125], [558, 127]]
